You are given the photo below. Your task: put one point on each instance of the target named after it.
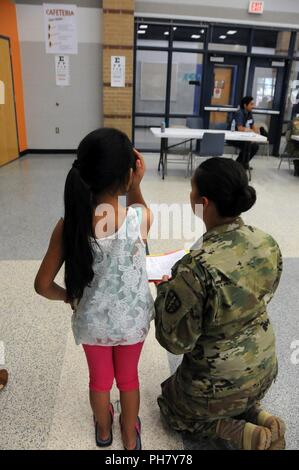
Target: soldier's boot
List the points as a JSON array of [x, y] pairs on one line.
[[244, 435], [276, 425]]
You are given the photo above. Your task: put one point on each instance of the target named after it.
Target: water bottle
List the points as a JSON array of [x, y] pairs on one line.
[[233, 126], [163, 126]]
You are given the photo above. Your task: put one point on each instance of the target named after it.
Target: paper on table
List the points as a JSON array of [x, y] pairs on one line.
[[157, 266]]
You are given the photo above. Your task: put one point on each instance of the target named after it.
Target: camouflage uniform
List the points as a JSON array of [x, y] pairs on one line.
[[213, 311]]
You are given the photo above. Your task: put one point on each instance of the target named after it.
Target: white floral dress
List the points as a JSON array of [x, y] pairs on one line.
[[117, 307]]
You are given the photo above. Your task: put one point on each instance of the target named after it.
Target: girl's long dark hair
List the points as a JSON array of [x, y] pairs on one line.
[[104, 158]]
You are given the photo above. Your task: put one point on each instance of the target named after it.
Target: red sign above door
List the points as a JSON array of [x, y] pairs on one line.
[[256, 7]]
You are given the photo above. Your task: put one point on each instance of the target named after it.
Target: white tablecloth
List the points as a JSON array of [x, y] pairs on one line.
[[177, 133]]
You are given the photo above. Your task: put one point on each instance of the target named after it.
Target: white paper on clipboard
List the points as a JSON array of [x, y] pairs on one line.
[[158, 266]]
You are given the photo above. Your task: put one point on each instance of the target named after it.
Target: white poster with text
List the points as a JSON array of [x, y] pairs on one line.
[[62, 70], [118, 71], [60, 28]]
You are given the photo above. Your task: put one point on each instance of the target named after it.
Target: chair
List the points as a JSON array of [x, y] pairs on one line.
[[194, 122], [291, 151], [181, 148], [267, 143], [285, 157], [220, 126], [212, 145]]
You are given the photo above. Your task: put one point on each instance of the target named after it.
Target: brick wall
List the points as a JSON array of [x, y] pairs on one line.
[[118, 39]]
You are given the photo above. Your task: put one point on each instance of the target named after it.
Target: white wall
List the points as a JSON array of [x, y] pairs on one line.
[[79, 107], [291, 6], [276, 12]]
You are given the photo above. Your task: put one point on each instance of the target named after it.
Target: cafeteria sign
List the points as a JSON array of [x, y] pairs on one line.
[[60, 28]]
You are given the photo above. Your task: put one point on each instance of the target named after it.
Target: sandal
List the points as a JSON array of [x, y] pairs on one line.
[[104, 442], [3, 378], [138, 445]]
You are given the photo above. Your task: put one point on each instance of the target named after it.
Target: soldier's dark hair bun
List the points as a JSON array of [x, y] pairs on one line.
[[245, 199], [225, 182]]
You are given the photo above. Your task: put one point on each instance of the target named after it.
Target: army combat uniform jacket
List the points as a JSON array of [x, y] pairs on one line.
[[213, 310]]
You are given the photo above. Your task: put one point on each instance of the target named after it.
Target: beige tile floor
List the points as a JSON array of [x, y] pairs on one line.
[[72, 410], [45, 405], [276, 210]]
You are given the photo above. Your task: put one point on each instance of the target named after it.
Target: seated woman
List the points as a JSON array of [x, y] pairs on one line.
[[245, 123], [214, 311]]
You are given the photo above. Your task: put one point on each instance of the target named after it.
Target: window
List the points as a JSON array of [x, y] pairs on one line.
[[292, 105], [263, 89], [152, 34], [151, 74], [186, 82], [171, 83], [189, 37], [266, 41], [229, 38]]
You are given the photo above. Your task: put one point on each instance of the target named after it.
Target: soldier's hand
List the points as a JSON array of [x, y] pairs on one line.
[[165, 278]]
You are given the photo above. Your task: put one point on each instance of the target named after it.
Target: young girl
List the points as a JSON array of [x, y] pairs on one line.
[[102, 244]]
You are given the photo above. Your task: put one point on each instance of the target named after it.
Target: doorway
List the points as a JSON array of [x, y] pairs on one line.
[[265, 85], [225, 82], [9, 147]]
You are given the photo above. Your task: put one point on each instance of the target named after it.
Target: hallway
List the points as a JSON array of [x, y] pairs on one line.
[[45, 405]]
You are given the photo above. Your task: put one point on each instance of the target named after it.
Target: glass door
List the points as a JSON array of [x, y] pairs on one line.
[[224, 88], [265, 81], [186, 79], [150, 96]]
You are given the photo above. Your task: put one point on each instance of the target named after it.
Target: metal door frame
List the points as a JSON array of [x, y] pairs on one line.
[[229, 59], [278, 93]]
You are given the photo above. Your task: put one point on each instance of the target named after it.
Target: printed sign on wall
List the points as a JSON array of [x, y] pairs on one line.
[[217, 93], [118, 71], [62, 69], [60, 28]]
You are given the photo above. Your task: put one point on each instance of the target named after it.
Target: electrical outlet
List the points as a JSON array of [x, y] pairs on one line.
[[57, 130]]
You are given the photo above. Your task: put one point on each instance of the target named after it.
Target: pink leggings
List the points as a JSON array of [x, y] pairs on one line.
[[107, 362]]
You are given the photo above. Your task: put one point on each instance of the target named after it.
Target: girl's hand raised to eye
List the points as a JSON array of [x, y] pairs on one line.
[[140, 168]]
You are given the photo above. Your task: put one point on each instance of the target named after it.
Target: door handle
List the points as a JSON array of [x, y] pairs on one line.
[[2, 92]]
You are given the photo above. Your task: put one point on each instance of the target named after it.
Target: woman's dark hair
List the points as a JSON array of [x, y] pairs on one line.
[[246, 100], [104, 158], [225, 182]]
